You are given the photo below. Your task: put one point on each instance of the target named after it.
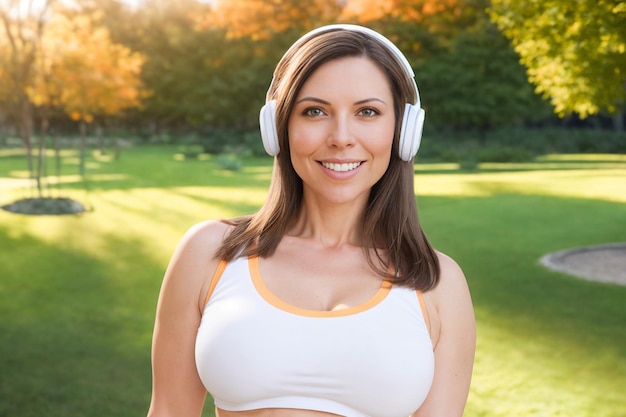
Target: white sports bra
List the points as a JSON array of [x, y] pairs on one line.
[[255, 351]]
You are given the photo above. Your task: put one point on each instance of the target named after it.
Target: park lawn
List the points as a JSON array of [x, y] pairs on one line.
[[78, 293]]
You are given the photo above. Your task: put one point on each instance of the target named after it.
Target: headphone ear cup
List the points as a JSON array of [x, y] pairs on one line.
[[267, 123], [411, 132]]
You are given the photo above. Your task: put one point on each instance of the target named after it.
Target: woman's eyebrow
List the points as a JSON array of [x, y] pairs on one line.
[[314, 99], [319, 100], [370, 99]]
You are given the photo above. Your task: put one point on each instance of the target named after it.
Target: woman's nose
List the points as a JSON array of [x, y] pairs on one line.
[[341, 133]]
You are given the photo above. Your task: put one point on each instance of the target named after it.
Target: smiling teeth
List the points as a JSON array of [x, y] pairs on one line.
[[341, 167]]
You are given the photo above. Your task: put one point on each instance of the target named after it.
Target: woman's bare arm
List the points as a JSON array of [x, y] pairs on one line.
[[455, 344], [176, 387]]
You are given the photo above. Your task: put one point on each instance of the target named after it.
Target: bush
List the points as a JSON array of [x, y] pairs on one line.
[[517, 144], [229, 161], [499, 153], [562, 140], [230, 140]]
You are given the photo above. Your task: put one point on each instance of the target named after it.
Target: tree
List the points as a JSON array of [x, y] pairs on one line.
[[574, 51], [478, 82], [85, 72], [254, 35], [208, 65], [468, 74], [260, 19], [23, 25], [187, 70]]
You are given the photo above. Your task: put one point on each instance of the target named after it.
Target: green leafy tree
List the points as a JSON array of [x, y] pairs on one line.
[[575, 51], [468, 74], [196, 75], [208, 65], [478, 83]]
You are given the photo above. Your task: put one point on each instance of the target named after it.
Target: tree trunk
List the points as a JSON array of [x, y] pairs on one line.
[[100, 139], [83, 146], [26, 128], [41, 159], [57, 159]]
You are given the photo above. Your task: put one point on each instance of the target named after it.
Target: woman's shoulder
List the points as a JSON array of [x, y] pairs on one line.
[[194, 261], [209, 234], [452, 281], [199, 245], [452, 289], [451, 273]]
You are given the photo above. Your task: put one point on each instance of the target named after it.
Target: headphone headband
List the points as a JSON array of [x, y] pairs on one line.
[[390, 46], [412, 120]]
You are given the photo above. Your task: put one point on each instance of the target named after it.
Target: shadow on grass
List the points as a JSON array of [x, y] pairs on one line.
[[78, 344], [500, 245], [142, 167], [546, 340], [73, 342], [79, 341]]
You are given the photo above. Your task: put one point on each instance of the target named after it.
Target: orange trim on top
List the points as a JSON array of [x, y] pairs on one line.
[[420, 297], [216, 277], [257, 280]]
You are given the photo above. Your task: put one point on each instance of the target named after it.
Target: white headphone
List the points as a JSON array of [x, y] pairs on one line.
[[412, 121]]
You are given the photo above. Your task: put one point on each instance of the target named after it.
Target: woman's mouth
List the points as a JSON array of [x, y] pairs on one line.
[[344, 167]]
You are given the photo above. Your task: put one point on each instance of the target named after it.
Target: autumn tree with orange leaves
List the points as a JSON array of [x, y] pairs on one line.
[[260, 19], [54, 57], [85, 73], [22, 25]]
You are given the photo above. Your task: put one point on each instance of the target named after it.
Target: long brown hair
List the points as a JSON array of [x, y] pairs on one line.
[[390, 227]]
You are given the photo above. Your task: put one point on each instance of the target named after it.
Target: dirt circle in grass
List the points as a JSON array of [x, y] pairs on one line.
[[45, 206], [604, 263]]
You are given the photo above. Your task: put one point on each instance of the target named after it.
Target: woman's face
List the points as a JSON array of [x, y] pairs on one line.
[[341, 130]]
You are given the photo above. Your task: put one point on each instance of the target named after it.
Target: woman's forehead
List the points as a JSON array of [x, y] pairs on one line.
[[357, 75]]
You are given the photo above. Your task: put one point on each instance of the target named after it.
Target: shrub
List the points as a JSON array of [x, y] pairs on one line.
[[499, 153], [515, 144], [229, 161]]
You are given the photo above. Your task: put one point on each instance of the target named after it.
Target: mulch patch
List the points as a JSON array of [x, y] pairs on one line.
[[45, 206]]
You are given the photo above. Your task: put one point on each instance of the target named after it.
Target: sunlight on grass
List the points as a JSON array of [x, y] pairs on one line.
[[544, 166], [16, 181], [103, 157], [85, 286], [21, 180], [19, 174], [544, 387], [605, 184], [594, 157], [156, 214], [448, 166], [594, 176]]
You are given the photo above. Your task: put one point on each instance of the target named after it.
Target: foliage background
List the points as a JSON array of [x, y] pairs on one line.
[[77, 293], [194, 68]]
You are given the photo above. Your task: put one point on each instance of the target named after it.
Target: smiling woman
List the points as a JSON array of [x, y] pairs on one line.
[[343, 120], [329, 300]]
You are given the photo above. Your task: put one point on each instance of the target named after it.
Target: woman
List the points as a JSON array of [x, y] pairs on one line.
[[329, 300]]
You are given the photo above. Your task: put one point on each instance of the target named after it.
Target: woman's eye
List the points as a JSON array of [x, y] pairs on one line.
[[313, 112], [368, 112]]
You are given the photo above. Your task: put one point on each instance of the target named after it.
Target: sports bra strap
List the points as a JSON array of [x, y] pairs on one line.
[[216, 277], [420, 297]]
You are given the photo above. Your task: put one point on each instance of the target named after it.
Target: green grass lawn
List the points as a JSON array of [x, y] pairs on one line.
[[78, 293]]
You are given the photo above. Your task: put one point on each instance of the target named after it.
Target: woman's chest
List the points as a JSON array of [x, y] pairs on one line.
[[373, 356]]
